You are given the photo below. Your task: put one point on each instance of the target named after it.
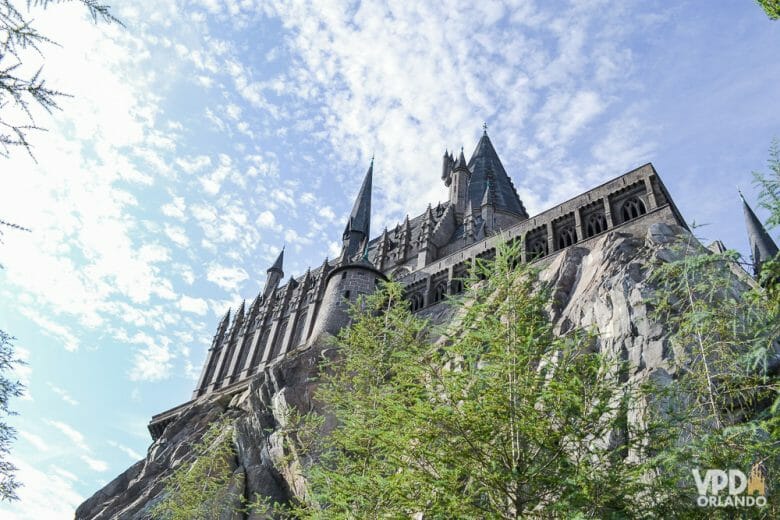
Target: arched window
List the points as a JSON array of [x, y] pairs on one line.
[[416, 302], [595, 224], [439, 292], [456, 286], [632, 208], [537, 248], [566, 237]]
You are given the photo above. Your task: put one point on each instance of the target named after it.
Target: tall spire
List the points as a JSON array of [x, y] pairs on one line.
[[762, 247], [275, 273], [358, 226], [277, 265]]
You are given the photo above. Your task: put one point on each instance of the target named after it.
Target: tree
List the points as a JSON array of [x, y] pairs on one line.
[[19, 92], [722, 409], [771, 8], [500, 418], [199, 489], [8, 388]]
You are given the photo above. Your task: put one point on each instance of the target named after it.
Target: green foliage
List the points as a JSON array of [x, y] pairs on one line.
[[769, 184], [199, 489], [718, 410], [19, 92], [771, 8], [9, 388], [499, 419]]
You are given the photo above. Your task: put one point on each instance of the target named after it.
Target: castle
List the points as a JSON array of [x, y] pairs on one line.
[[430, 255]]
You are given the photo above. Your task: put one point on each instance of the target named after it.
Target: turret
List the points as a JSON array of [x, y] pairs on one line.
[[459, 186], [446, 168], [358, 228], [426, 249], [762, 247], [404, 241], [382, 249], [275, 274], [487, 208], [469, 227]]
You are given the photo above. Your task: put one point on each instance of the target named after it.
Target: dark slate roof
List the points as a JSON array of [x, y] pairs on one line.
[[277, 266], [484, 164], [360, 218], [762, 247]]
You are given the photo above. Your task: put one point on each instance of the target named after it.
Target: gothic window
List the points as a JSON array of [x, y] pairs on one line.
[[566, 237], [456, 286], [595, 224], [633, 208], [439, 292], [299, 325], [416, 302], [537, 248]]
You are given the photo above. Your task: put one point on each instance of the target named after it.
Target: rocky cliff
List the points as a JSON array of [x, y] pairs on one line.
[[604, 285]]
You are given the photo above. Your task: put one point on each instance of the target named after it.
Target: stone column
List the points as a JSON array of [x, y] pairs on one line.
[[651, 202], [578, 224], [427, 292], [550, 238], [608, 212]]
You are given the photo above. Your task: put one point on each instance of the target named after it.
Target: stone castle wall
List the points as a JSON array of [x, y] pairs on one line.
[[302, 310]]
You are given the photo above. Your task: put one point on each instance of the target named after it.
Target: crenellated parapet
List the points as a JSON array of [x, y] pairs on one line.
[[629, 203]]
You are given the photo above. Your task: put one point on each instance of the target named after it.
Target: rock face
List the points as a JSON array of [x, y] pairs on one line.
[[603, 287]]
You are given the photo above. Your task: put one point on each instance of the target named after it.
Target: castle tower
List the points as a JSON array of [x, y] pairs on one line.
[[459, 186], [762, 247], [357, 231], [355, 276], [275, 274]]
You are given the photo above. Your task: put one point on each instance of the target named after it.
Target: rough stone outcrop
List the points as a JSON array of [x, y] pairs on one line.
[[604, 286]]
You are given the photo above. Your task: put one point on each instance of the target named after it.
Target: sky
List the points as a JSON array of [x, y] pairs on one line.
[[206, 134]]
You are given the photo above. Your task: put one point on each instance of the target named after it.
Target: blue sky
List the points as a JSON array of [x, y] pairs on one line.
[[209, 133]]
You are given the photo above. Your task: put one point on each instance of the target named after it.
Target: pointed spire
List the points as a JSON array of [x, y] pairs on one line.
[[762, 247], [460, 164], [360, 218], [358, 226], [277, 265], [225, 319]]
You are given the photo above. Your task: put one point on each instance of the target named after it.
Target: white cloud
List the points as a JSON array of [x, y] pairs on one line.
[[178, 235], [175, 209], [64, 395], [154, 361], [46, 493], [228, 278], [37, 442], [266, 219], [197, 306], [134, 455], [327, 213], [193, 164], [95, 464], [73, 435]]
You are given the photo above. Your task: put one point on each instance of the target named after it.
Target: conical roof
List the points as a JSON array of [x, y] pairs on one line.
[[762, 247], [360, 217], [484, 166], [277, 265]]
